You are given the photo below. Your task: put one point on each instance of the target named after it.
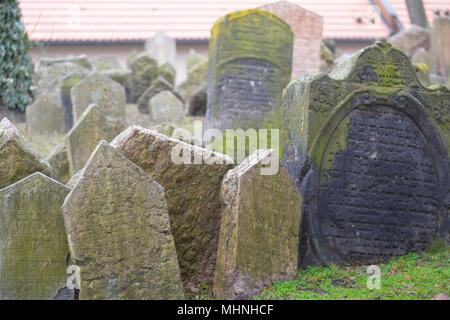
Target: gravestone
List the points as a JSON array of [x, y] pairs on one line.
[[104, 63], [192, 194], [410, 39], [144, 69], [122, 77], [368, 147], [45, 116], [162, 48], [80, 60], [17, 158], [33, 243], [158, 85], [197, 102], [165, 106], [197, 76], [92, 127], [307, 27], [168, 72], [249, 65], [440, 44], [67, 83], [119, 232], [59, 162], [260, 225], [193, 59], [101, 90]]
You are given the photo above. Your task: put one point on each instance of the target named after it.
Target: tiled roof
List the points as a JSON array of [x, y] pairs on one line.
[[128, 20]]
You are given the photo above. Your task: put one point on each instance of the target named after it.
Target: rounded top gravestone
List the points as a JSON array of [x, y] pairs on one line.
[[368, 149]]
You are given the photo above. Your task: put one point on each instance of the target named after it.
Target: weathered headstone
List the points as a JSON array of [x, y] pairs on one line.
[[168, 72], [144, 69], [440, 45], [260, 225], [162, 48], [45, 116], [193, 59], [307, 27], [81, 60], [33, 243], [165, 106], [119, 231], [368, 147], [59, 162], [192, 193], [158, 85], [249, 65], [104, 63], [17, 158], [410, 39], [197, 76], [197, 102], [123, 77], [67, 83], [92, 127], [101, 90]]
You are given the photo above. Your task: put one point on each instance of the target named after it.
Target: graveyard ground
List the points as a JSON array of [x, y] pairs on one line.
[[410, 277]]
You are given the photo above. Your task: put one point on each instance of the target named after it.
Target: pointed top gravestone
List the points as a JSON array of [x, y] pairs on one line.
[[45, 116], [162, 48], [67, 83], [17, 158], [33, 243], [119, 231], [165, 106], [368, 147], [101, 90]]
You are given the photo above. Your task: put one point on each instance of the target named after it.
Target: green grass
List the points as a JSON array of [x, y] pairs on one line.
[[414, 276]]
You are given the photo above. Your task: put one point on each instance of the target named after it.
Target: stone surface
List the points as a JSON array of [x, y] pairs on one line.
[[410, 39], [101, 90], [368, 147], [162, 48], [440, 45], [193, 59], [144, 69], [249, 65], [307, 27], [197, 102], [122, 77], [158, 85], [81, 60], [59, 162], [104, 63], [45, 116], [259, 231], [92, 127], [33, 243], [192, 194], [119, 231], [67, 83], [17, 158], [168, 72], [165, 106]]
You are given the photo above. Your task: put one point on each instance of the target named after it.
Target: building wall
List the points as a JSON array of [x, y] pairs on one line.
[[122, 51]]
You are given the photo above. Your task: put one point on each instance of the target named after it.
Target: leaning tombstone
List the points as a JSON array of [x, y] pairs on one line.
[[162, 48], [368, 147], [259, 232], [307, 27], [158, 85], [122, 77], [192, 191], [250, 64], [67, 83], [45, 116], [101, 90], [59, 162], [119, 232], [92, 127], [17, 158], [33, 242], [165, 106]]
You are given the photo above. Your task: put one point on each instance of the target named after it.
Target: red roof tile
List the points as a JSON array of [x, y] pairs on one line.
[[124, 20]]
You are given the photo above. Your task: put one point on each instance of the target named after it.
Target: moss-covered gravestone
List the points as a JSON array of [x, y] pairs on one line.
[[33, 243], [93, 126], [119, 231], [101, 90], [17, 158], [192, 191], [59, 162], [104, 63], [165, 106], [250, 60], [168, 72], [144, 69], [67, 83], [158, 85], [259, 232], [45, 116], [368, 147]]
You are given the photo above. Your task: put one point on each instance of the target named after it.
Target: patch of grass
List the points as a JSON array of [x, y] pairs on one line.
[[410, 277]]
